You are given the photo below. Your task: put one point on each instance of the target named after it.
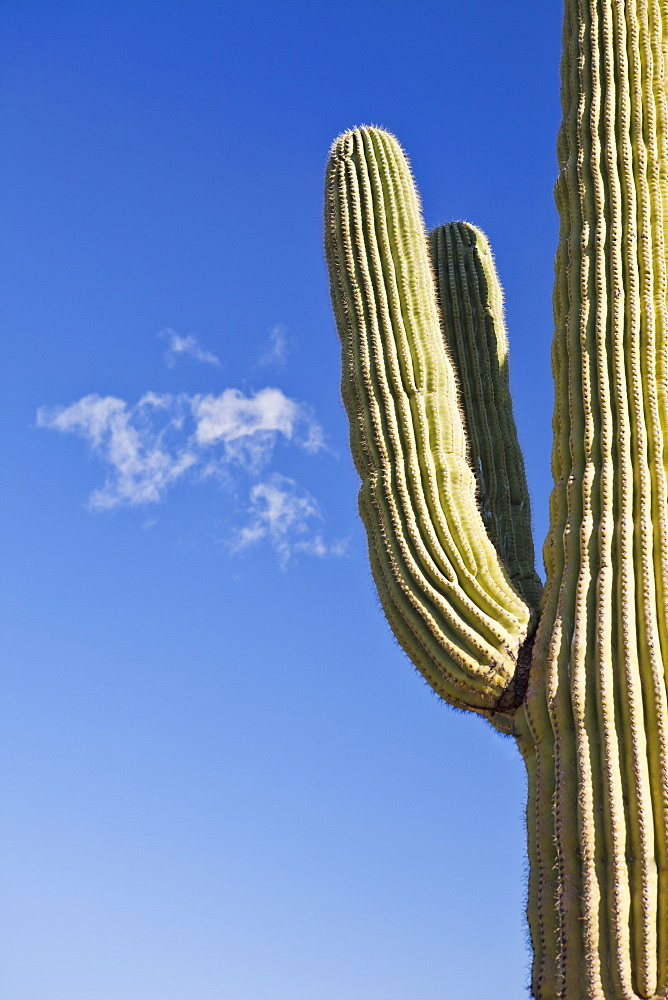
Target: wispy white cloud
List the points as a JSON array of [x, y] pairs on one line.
[[281, 514], [148, 447], [141, 466], [248, 427], [276, 352], [187, 346], [231, 415]]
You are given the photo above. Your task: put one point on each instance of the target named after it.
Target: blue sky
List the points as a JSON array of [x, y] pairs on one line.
[[221, 776]]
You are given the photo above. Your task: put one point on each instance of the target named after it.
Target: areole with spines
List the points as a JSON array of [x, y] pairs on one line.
[[444, 499]]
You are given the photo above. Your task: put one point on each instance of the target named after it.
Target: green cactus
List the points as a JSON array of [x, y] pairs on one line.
[[579, 673]]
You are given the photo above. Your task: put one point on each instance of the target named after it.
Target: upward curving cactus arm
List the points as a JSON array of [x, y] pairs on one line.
[[471, 303], [443, 586]]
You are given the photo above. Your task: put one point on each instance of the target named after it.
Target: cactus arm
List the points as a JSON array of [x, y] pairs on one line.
[[471, 305], [602, 644], [441, 582]]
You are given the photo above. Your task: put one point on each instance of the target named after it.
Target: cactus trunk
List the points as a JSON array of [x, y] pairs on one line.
[[596, 705], [579, 674]]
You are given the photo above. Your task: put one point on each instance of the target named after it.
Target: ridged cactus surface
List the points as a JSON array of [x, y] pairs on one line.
[[471, 303], [579, 674], [597, 701], [440, 578]]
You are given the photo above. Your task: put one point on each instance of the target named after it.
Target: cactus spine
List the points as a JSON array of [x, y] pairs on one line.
[[578, 675]]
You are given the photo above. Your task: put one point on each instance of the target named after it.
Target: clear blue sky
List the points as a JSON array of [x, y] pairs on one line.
[[221, 777]]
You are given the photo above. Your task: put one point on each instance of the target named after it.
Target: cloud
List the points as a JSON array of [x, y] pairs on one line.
[[141, 465], [276, 353], [146, 448], [248, 426], [281, 514], [231, 415], [188, 346]]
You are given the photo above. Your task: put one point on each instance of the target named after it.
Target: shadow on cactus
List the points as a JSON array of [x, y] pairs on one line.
[[577, 673]]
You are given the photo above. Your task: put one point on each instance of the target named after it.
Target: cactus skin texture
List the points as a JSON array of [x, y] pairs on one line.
[[577, 674]]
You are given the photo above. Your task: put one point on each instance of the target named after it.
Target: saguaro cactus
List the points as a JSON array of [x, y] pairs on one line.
[[579, 673]]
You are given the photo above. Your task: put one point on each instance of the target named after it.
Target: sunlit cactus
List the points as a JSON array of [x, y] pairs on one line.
[[578, 674]]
